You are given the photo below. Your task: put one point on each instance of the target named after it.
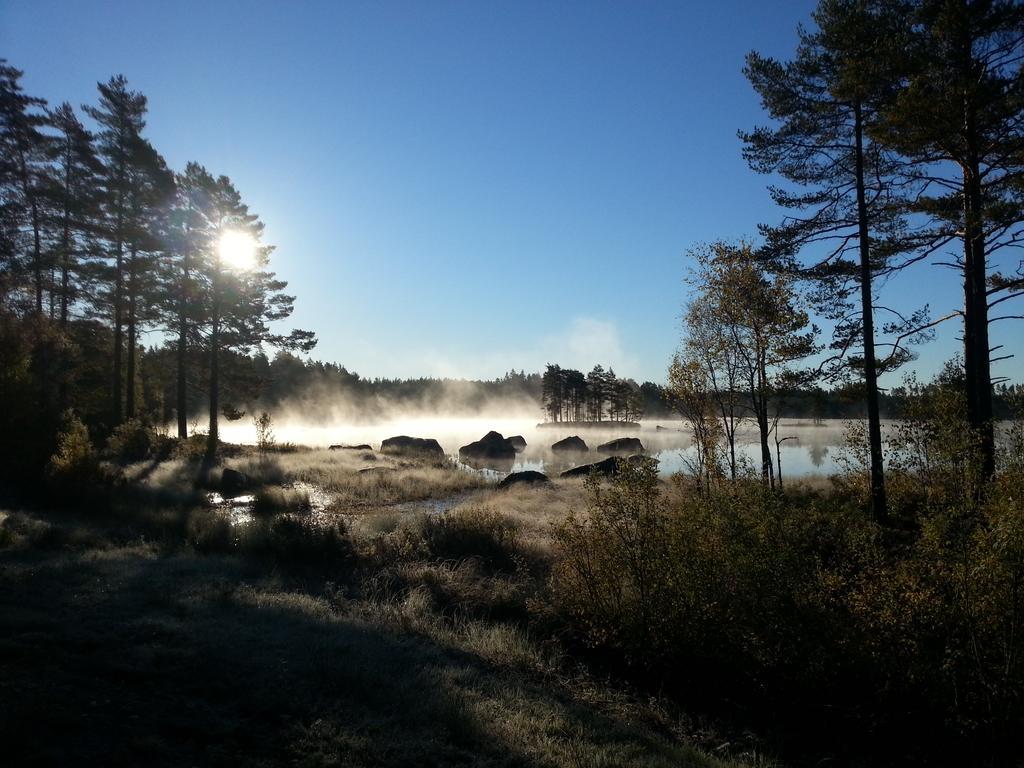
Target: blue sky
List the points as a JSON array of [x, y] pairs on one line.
[[460, 188]]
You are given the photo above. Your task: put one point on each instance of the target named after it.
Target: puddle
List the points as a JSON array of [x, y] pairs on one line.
[[232, 501], [319, 499], [432, 506], [237, 508]]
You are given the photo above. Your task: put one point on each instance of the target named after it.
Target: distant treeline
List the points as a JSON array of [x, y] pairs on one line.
[[321, 390]]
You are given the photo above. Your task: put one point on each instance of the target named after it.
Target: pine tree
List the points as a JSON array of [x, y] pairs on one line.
[[243, 300], [825, 101], [962, 107], [24, 176], [121, 117], [150, 196], [75, 203], [192, 242]]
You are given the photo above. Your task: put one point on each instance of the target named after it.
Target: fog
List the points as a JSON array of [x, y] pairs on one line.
[[813, 449]]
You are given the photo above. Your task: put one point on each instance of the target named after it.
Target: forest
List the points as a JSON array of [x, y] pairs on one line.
[[170, 596]]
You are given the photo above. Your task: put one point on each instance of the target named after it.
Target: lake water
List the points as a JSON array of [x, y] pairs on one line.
[[811, 450]]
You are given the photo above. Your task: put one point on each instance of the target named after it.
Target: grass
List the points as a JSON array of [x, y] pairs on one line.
[[195, 660], [157, 631]]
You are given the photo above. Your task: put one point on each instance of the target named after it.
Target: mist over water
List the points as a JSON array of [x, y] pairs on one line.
[[813, 449]]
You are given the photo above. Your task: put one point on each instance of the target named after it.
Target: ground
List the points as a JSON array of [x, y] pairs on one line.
[[125, 640]]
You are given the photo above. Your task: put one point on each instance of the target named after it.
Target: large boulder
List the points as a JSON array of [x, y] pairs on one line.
[[424, 446], [518, 442], [490, 446], [526, 477], [233, 482], [623, 445], [569, 444], [606, 467]]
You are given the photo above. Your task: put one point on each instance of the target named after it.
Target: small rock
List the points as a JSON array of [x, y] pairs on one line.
[[233, 482], [342, 447], [526, 477]]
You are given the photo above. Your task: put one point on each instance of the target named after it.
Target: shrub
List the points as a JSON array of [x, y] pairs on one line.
[[801, 606], [272, 499], [611, 574], [298, 542], [132, 441], [473, 532], [264, 426], [210, 531], [74, 472]]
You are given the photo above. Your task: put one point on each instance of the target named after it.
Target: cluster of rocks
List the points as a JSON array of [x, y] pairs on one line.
[[576, 444], [496, 449]]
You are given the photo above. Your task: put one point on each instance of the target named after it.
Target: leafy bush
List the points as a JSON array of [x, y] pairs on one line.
[[74, 473], [800, 605], [264, 426], [611, 576], [132, 441]]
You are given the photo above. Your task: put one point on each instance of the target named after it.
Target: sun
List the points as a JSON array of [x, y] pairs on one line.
[[238, 250]]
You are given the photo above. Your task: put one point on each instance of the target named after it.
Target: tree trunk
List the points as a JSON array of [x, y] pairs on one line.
[[879, 504], [767, 476], [65, 273], [182, 393], [977, 363], [130, 372], [212, 436], [116, 414], [37, 257]]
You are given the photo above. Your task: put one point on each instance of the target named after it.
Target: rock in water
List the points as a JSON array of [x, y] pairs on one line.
[[526, 477], [518, 442], [622, 445], [233, 482], [609, 467], [414, 445], [606, 467], [490, 446], [574, 443]]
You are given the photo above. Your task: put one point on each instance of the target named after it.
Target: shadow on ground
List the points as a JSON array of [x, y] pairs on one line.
[[125, 657]]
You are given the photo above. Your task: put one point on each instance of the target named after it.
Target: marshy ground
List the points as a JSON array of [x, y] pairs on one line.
[[360, 627]]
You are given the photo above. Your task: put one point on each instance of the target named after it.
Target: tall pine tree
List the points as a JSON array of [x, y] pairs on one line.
[[846, 221], [962, 109], [242, 299], [121, 118]]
